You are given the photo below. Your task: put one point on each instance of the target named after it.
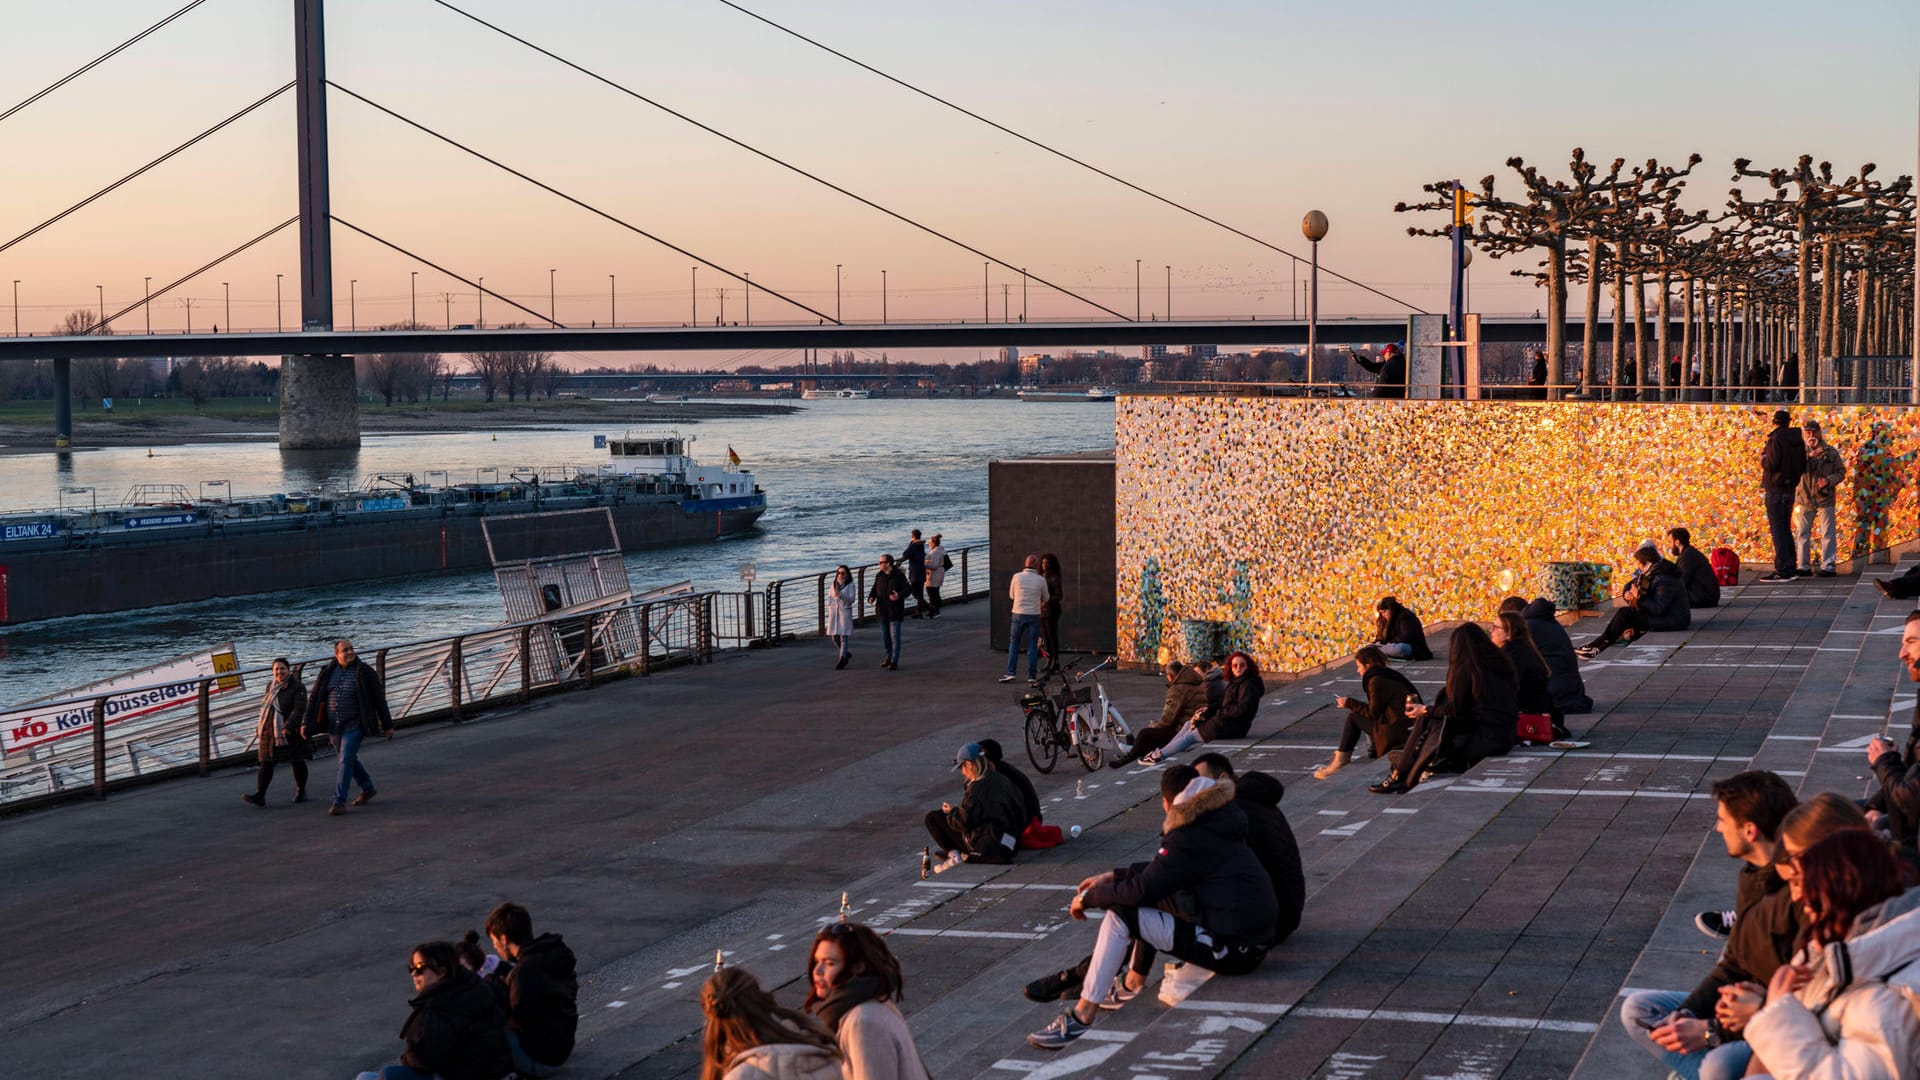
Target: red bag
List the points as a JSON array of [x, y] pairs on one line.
[[1534, 728], [1726, 566], [1037, 836]]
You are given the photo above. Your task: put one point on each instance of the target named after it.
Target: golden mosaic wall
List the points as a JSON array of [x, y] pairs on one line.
[[1287, 519]]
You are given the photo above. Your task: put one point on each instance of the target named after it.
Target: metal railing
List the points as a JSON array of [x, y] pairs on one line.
[[797, 606], [432, 679]]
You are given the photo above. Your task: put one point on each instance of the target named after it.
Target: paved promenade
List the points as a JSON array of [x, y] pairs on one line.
[[1481, 927]]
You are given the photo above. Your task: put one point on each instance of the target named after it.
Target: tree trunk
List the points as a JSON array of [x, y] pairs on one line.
[[1686, 339], [1557, 312], [1663, 335], [1639, 368], [1622, 377], [1827, 296], [1590, 333], [1803, 349]]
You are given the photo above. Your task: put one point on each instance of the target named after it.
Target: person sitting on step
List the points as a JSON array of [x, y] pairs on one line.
[[1380, 713], [1655, 599]]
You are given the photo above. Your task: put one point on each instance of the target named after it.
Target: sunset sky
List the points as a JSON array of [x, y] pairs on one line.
[[1253, 112]]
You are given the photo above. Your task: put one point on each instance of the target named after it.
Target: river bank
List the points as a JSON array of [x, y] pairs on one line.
[[177, 423]]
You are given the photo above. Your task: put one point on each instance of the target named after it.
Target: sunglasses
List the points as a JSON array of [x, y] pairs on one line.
[[419, 969]]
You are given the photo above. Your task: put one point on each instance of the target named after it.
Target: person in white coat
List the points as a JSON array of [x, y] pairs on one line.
[[938, 563], [749, 1036], [853, 985], [1845, 1009], [842, 594]]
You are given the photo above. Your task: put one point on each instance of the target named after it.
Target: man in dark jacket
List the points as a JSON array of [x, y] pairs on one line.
[[1268, 835], [888, 595], [1390, 372], [457, 1029], [1029, 798], [1569, 690], [348, 704], [1680, 1030], [1656, 599], [1782, 463], [1186, 697], [986, 826], [915, 556], [1204, 898], [1895, 808], [1703, 589], [542, 991]]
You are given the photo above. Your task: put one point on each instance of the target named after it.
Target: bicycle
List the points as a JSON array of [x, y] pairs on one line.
[[1095, 727], [1046, 727]]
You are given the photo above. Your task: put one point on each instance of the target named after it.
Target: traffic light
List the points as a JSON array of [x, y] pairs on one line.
[[1462, 208]]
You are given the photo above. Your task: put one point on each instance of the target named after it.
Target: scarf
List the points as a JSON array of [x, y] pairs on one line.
[[272, 730], [845, 998]]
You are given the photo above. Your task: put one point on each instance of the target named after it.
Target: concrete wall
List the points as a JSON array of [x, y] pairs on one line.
[[318, 409], [1287, 519], [1062, 505]]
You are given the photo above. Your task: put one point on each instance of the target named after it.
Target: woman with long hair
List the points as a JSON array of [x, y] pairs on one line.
[[841, 595], [1515, 639], [1473, 717], [1397, 630], [1050, 609], [458, 1028], [1839, 1008], [853, 987], [1379, 714], [278, 733], [1232, 718], [750, 1036]]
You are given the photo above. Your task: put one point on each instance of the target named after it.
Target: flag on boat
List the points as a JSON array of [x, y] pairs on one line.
[[733, 459]]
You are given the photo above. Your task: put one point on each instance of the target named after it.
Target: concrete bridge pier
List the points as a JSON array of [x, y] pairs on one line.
[[62, 404], [318, 407]]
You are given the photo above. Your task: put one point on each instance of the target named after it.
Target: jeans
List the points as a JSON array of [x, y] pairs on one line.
[[1027, 627], [890, 639], [1805, 520], [1725, 1062], [1780, 525], [396, 1072], [524, 1065], [1398, 650], [347, 743]]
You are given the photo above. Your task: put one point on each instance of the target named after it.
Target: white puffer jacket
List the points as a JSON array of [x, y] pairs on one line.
[[784, 1061], [1859, 1017]]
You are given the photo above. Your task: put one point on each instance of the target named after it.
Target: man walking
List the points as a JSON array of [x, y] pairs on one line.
[[348, 704], [1028, 591], [889, 598], [1782, 464], [916, 559], [1813, 499]]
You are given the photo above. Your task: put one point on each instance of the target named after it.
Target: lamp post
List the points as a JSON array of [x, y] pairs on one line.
[[353, 306], [695, 294], [613, 302], [986, 296], [447, 298], [1314, 227], [146, 303], [1136, 290], [188, 304], [836, 293], [278, 326], [16, 307], [1169, 293], [413, 296], [553, 298], [883, 302], [480, 303], [228, 289], [102, 289], [1023, 294], [749, 280]]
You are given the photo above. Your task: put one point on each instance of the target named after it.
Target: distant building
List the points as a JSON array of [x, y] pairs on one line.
[[1203, 352], [1033, 367], [1153, 352], [1010, 354]]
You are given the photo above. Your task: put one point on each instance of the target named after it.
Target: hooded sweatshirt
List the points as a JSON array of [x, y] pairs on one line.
[[1271, 838], [784, 1061], [1563, 664], [1203, 869]]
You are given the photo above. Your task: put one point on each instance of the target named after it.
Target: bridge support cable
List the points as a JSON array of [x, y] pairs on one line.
[[189, 276], [98, 60], [142, 170], [589, 207], [424, 261], [789, 166], [1063, 155]]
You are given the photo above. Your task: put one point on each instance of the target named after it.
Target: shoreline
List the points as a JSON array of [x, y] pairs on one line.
[[97, 432]]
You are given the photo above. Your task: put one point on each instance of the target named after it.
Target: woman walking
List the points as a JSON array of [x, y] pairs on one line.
[[840, 599], [749, 1036], [938, 563], [1050, 610], [278, 733], [853, 982]]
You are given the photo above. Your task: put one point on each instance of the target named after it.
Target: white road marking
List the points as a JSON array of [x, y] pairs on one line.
[[1509, 789], [1028, 885], [616, 1004], [1001, 935], [1399, 810]]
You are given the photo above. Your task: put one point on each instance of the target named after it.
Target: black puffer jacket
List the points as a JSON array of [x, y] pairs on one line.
[[1186, 695], [1531, 693], [1029, 798], [1400, 626], [458, 1031], [1204, 865], [991, 810], [541, 993], [1784, 460], [1563, 666], [1271, 838], [1663, 598], [1234, 718], [1703, 589], [1483, 726], [1383, 715], [888, 595]]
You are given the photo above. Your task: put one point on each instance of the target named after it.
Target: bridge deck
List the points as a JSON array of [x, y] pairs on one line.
[[1481, 927]]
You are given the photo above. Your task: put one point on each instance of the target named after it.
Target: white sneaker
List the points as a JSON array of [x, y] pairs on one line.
[[952, 860]]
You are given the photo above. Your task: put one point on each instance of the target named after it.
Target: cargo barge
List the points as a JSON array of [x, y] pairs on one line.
[[163, 546]]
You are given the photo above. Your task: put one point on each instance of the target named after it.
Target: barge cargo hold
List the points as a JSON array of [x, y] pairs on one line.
[[159, 549]]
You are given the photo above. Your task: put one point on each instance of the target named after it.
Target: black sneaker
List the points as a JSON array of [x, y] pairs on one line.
[[1065, 1028], [1055, 987], [1715, 924], [255, 798], [1881, 584], [1825, 573]]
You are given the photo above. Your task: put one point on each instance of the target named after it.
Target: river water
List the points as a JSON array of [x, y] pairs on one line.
[[845, 480]]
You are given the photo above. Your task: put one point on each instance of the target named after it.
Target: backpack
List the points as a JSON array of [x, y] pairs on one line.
[[1726, 566]]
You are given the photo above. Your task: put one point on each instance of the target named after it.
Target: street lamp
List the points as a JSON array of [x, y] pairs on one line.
[[278, 325], [146, 304], [1314, 228], [353, 306], [448, 298], [1169, 294], [188, 304], [480, 303], [883, 298], [986, 295], [613, 304], [16, 307], [228, 289], [413, 297], [103, 306], [553, 299], [1136, 290], [836, 292], [749, 280], [694, 293]]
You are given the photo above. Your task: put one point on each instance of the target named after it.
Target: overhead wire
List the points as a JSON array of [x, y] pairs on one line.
[[783, 163], [97, 61], [582, 204], [144, 168], [1036, 143], [424, 261], [189, 276]]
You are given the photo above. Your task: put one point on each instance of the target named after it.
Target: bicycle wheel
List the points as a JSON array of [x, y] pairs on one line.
[[1089, 747], [1043, 741]]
